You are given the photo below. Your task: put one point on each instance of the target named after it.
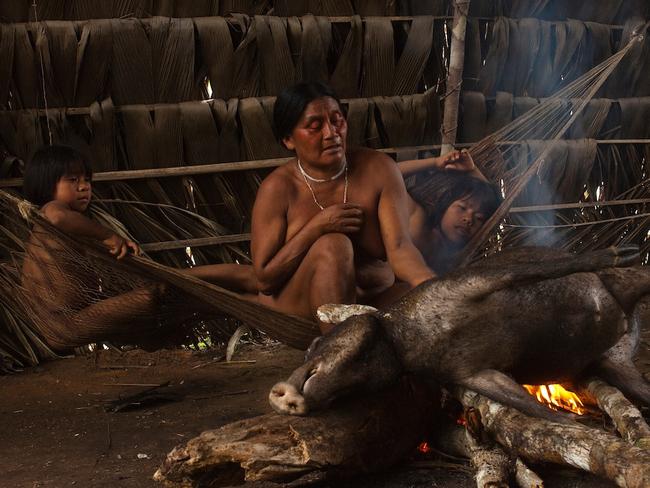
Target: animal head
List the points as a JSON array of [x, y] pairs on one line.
[[355, 356]]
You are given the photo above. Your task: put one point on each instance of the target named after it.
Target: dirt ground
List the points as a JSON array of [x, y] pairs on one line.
[[55, 430]]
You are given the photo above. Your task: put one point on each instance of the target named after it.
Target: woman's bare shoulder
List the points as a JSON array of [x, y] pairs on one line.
[[279, 184], [365, 155], [371, 162]]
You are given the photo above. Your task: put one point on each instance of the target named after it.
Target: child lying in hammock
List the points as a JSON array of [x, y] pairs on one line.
[[447, 208]]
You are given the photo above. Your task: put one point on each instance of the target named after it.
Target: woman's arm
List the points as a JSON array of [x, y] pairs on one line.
[[454, 160], [405, 259], [75, 223], [275, 260]]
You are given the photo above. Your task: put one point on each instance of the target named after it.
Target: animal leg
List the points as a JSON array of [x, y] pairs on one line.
[[501, 388], [627, 285], [617, 367], [490, 280]]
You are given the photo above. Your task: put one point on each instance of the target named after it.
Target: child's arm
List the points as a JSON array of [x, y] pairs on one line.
[[455, 160], [73, 222]]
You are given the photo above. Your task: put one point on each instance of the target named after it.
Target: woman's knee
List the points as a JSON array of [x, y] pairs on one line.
[[333, 248]]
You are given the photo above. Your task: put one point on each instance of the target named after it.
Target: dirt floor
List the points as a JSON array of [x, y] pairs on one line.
[[55, 430]]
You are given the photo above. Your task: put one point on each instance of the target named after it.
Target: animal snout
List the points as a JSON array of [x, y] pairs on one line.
[[286, 399]]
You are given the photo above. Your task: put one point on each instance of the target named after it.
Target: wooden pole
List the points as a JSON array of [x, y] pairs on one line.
[[454, 75]]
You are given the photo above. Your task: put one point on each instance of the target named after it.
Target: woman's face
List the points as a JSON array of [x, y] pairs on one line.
[[319, 137], [462, 220]]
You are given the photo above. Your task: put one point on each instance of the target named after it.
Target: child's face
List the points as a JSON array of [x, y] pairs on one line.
[[462, 220], [74, 191]]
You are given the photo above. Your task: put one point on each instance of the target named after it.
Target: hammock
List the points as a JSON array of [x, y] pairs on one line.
[[131, 301], [165, 303], [548, 121]]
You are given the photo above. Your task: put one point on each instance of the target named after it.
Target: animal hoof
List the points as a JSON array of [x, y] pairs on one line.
[[285, 399]]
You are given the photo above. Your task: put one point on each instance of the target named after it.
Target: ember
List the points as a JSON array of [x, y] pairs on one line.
[[424, 447], [556, 396]]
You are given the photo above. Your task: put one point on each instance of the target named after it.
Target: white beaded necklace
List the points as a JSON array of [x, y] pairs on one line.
[[306, 177]]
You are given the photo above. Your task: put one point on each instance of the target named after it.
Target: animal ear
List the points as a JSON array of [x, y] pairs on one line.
[[335, 313]]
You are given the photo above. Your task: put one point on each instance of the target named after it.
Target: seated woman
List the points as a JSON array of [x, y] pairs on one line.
[[333, 220]]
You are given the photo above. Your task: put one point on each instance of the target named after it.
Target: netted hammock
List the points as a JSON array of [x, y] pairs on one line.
[[79, 294], [85, 295]]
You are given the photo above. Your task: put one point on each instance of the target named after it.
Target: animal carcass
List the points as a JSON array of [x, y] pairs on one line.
[[524, 316]]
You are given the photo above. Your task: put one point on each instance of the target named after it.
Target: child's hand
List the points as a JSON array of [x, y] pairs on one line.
[[457, 160], [119, 246]]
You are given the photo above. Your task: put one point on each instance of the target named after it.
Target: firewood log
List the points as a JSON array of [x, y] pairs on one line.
[[628, 420], [582, 447], [357, 436], [494, 467]]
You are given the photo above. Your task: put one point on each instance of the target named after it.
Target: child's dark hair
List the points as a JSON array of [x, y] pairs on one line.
[[440, 188], [47, 166], [291, 103]]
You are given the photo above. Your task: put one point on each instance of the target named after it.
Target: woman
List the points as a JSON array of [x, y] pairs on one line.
[[330, 226]]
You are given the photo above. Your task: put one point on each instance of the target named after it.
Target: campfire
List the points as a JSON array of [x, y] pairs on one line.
[[497, 439], [557, 397]]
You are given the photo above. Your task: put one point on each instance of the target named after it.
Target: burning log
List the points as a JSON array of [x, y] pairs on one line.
[[358, 436], [578, 446], [628, 420]]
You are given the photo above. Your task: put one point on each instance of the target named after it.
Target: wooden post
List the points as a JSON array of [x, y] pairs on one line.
[[454, 75]]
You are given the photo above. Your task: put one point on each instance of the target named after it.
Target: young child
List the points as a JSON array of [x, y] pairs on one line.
[[72, 304], [58, 180], [447, 210]]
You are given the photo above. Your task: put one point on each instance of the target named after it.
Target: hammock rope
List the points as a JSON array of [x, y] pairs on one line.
[[548, 121]]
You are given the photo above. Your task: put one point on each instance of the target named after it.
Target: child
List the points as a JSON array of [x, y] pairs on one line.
[[72, 304], [448, 210], [58, 179]]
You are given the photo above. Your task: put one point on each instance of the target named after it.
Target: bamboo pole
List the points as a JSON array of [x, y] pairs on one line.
[[454, 75], [213, 168], [198, 242]]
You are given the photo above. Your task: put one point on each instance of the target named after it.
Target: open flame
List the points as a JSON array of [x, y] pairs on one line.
[[556, 397]]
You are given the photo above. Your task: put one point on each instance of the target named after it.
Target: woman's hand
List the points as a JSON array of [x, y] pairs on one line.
[[345, 218], [119, 246], [457, 160]]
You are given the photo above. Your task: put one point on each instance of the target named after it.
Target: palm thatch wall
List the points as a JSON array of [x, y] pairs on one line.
[[172, 101]]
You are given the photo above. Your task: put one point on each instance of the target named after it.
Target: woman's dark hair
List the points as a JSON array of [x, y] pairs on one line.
[[291, 103], [441, 188], [47, 166]]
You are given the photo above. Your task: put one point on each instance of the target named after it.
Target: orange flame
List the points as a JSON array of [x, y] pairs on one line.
[[555, 397]]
